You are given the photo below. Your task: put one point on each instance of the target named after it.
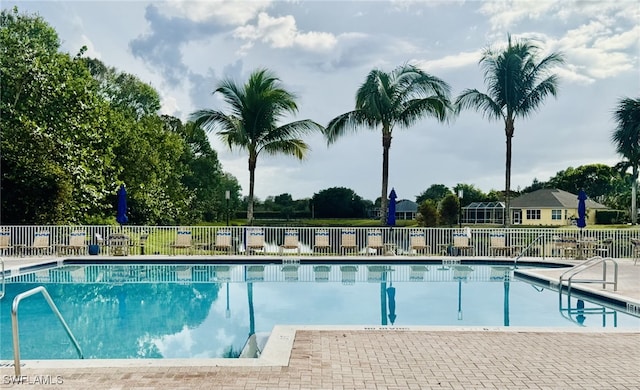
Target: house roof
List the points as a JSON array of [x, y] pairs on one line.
[[552, 198], [406, 206]]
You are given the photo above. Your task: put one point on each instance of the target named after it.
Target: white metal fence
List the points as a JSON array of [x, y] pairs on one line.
[[160, 240]]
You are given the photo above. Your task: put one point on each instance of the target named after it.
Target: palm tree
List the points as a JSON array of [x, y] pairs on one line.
[[251, 125], [388, 99], [626, 138], [517, 85]]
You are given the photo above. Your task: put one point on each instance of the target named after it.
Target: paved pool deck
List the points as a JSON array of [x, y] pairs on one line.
[[380, 357]]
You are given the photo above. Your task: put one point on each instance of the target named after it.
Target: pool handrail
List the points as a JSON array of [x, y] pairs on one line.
[[14, 324], [522, 252]]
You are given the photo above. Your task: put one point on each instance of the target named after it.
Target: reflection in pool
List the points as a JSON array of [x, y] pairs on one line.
[[203, 311]]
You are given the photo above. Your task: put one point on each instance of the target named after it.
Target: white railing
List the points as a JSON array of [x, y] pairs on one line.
[[158, 240]]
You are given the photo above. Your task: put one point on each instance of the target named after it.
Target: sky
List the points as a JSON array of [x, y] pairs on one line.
[[322, 52]]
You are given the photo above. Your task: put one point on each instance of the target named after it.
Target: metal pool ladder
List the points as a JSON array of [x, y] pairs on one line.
[[522, 252], [568, 276], [14, 324]]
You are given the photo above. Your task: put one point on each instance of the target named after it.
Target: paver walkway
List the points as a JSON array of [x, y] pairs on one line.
[[401, 359]]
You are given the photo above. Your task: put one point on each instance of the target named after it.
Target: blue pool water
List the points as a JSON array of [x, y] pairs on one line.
[[200, 311]]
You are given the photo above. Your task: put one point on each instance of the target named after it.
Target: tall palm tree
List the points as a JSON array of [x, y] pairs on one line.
[[626, 138], [251, 125], [517, 85], [400, 97]]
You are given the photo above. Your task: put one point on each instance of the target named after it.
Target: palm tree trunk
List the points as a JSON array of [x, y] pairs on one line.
[[634, 196], [507, 175], [386, 145], [252, 178]]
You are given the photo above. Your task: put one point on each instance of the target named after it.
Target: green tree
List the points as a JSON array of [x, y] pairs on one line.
[[594, 179], [338, 202], [448, 210], [435, 192], [427, 213], [203, 177], [470, 194], [55, 142], [517, 85], [401, 98], [255, 109], [626, 138]]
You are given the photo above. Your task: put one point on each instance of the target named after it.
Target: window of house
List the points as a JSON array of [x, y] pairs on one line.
[[556, 215], [533, 214]]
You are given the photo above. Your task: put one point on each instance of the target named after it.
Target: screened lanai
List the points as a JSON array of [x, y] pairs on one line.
[[483, 213]]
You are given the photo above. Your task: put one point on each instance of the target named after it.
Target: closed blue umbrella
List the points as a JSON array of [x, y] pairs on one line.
[[391, 293], [391, 215], [582, 209], [121, 216]]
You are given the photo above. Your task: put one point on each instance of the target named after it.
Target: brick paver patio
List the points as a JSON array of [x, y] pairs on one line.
[[401, 359]]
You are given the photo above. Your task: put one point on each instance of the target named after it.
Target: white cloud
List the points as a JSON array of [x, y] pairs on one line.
[[597, 53], [452, 61], [224, 11], [507, 13], [282, 32], [169, 105]]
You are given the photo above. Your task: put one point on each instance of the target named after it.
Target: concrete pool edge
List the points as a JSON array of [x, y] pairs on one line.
[[278, 349]]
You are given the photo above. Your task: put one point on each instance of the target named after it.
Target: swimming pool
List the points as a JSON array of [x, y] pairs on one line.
[[203, 311]]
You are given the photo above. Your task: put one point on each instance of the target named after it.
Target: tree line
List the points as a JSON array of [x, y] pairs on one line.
[[74, 129]]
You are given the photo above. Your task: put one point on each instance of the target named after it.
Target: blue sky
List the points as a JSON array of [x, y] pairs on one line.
[[322, 51]]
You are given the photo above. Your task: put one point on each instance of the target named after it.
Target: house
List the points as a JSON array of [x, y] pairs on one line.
[[550, 207], [405, 209]]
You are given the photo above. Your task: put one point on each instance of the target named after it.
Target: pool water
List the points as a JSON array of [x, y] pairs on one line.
[[205, 311]]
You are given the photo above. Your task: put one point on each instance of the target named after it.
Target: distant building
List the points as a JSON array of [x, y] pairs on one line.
[[550, 206], [405, 209], [483, 213]]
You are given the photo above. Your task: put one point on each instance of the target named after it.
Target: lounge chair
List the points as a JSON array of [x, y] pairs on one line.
[[321, 242], [500, 273], [5, 242], [567, 247], [77, 244], [417, 273], [462, 243], [321, 273], [222, 273], [255, 273], [290, 241], [348, 243], [255, 241], [603, 248], [223, 240], [183, 241], [418, 243], [374, 242], [376, 273], [290, 272], [119, 244], [41, 243], [498, 244], [348, 274], [461, 272]]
